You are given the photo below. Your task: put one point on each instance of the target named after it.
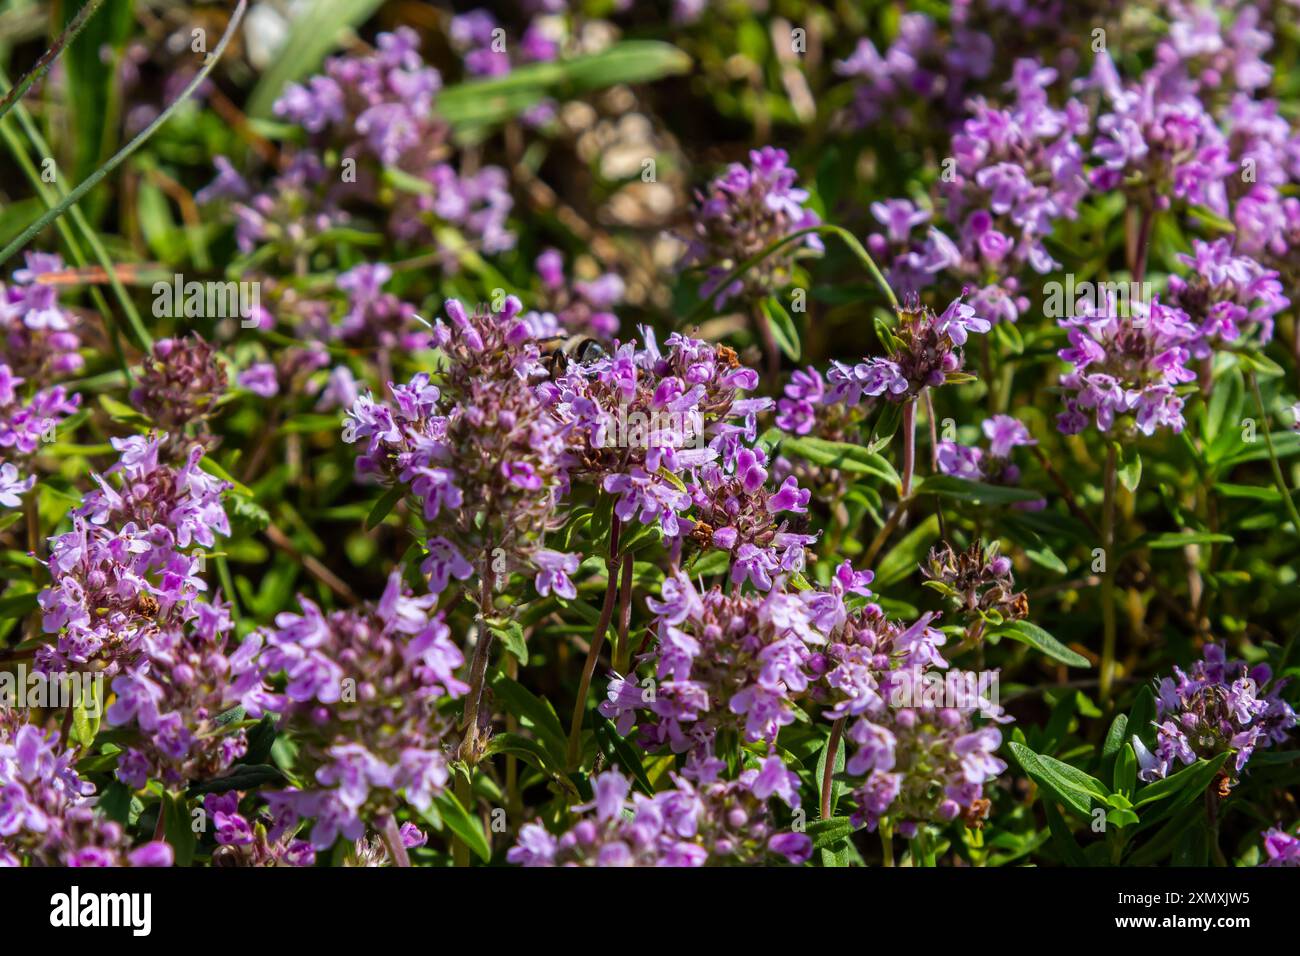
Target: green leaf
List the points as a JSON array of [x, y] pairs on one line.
[[1193, 779], [383, 506], [1163, 843], [227, 717], [525, 748], [1030, 633], [849, 458], [485, 102], [1045, 557], [177, 827], [1177, 539], [122, 412], [87, 715], [240, 777], [1009, 337], [1114, 740], [1264, 365], [466, 826], [18, 605], [511, 635], [261, 738], [618, 751], [960, 489], [210, 465], [1121, 817], [1062, 839], [1068, 784], [90, 69], [1248, 492], [1211, 219], [903, 558], [823, 833], [782, 326], [116, 802], [1130, 468], [534, 713], [1125, 776]]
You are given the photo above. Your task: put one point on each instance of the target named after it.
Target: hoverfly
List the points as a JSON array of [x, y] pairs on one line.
[[582, 349]]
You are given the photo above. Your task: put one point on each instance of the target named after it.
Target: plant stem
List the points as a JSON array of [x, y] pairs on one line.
[[891, 523], [61, 43], [622, 648], [1278, 478], [1143, 244], [909, 448], [574, 753], [469, 747], [1108, 576], [465, 795], [1212, 821], [828, 772], [887, 843], [934, 458]]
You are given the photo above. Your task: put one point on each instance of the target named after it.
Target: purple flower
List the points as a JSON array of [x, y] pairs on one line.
[[1283, 848], [745, 210], [553, 573], [260, 379], [1219, 705]]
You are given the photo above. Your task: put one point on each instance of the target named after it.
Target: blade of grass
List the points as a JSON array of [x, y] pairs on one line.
[[83, 226], [120, 156], [47, 59], [69, 240]]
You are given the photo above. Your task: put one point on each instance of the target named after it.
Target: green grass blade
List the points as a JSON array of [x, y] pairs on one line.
[[83, 227], [47, 59], [120, 156], [69, 240]]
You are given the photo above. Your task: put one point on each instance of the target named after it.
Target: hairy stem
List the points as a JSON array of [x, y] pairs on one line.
[[470, 747], [828, 772], [1108, 576], [61, 43], [622, 650], [909, 448]]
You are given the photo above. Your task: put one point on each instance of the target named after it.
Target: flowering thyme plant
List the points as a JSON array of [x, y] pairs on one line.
[[835, 435]]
